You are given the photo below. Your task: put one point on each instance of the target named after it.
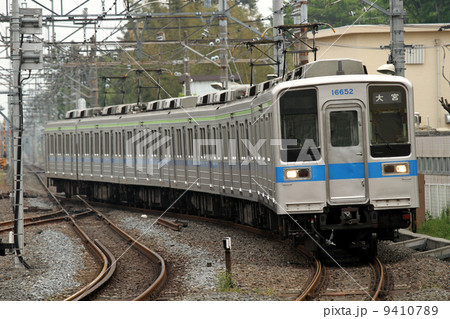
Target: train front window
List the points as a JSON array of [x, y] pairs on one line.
[[299, 126], [388, 121]]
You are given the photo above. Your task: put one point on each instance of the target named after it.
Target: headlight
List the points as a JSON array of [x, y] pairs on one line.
[[291, 173], [297, 173], [394, 169], [402, 169]]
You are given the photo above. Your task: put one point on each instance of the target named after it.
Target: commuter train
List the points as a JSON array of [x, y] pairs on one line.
[[324, 155]]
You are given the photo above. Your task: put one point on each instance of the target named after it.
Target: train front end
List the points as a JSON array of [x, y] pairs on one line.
[[346, 167]]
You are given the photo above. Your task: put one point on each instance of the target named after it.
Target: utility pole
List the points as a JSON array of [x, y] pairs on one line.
[[17, 123], [397, 43], [278, 20], [300, 13], [223, 37], [187, 74], [93, 73], [397, 36], [24, 56]]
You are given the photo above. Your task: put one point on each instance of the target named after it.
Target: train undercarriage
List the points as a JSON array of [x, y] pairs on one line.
[[347, 227]]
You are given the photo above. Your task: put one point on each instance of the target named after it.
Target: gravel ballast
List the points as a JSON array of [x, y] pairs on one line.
[[55, 259]]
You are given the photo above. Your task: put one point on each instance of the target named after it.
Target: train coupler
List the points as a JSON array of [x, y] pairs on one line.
[[350, 216]]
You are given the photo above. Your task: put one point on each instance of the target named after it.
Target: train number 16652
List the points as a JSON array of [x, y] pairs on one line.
[[342, 92]]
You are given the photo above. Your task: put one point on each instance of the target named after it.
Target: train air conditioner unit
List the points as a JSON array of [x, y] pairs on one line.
[[251, 91], [240, 91], [263, 86], [72, 114], [145, 106], [188, 101], [172, 103], [95, 111], [109, 110], [159, 105], [125, 108], [206, 99], [150, 106], [223, 97], [333, 67]]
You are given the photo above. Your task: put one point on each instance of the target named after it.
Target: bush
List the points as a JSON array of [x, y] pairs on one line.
[[437, 227]]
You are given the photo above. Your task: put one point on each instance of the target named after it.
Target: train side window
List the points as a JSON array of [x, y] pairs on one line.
[[299, 123]]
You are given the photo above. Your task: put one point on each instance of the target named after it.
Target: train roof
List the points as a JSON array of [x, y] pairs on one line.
[[314, 73]]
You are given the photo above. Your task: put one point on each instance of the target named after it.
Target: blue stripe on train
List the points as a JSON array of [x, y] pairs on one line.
[[345, 171]]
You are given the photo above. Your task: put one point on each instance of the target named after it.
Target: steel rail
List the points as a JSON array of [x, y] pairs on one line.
[[106, 276], [169, 224], [31, 219], [155, 257], [314, 281], [379, 278], [97, 252], [9, 227]]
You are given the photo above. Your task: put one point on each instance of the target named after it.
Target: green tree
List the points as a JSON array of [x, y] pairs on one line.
[[169, 55], [347, 12]]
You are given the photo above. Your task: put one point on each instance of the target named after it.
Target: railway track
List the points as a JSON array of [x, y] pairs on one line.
[[326, 282], [316, 273], [112, 268]]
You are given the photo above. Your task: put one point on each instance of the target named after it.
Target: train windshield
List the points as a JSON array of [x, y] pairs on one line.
[[299, 126], [388, 121]]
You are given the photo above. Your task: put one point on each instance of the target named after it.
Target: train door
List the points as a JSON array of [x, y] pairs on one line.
[[224, 157], [164, 157], [96, 157], [106, 164], [346, 164]]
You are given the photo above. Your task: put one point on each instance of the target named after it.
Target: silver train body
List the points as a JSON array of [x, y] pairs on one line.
[[315, 152]]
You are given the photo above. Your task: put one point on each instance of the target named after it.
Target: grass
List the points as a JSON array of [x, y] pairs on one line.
[[225, 281], [437, 227]]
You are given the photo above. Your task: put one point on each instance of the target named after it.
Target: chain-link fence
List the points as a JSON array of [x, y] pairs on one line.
[[437, 198]]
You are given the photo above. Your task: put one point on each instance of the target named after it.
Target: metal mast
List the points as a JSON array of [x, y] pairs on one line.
[[277, 6], [187, 74], [300, 13], [17, 124], [223, 36], [397, 36]]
